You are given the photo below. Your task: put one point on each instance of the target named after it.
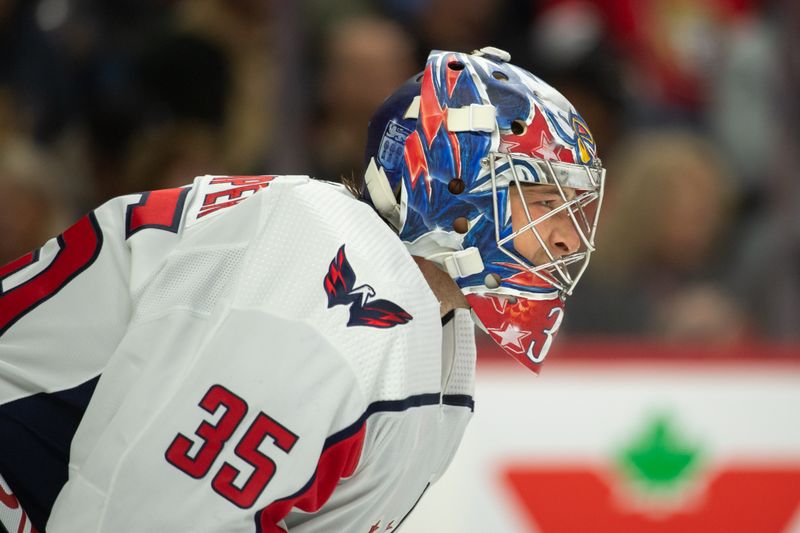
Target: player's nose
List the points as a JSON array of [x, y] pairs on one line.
[[563, 238]]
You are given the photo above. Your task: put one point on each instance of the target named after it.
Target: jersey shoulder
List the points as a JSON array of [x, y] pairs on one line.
[[212, 196], [306, 250], [325, 258]]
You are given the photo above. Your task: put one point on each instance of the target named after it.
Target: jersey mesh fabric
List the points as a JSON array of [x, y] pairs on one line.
[[462, 375], [307, 223], [193, 280]]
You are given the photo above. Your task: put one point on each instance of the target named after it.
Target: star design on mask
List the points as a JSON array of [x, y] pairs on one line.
[[510, 334], [506, 146], [547, 148], [499, 304]]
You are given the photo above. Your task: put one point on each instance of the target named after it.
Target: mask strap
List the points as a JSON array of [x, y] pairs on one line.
[[380, 191], [459, 264]]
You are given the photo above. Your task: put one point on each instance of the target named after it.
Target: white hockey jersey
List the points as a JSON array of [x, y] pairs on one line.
[[246, 354]]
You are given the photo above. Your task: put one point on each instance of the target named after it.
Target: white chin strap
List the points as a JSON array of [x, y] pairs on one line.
[[459, 264]]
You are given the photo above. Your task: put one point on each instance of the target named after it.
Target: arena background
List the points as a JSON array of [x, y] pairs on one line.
[[671, 400]]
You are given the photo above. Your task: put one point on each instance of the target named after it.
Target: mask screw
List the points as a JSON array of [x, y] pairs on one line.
[[461, 225], [456, 186], [492, 281]]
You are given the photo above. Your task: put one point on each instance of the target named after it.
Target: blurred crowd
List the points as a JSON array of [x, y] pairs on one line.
[[693, 104]]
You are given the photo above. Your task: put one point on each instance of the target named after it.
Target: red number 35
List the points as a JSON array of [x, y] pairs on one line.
[[214, 438]]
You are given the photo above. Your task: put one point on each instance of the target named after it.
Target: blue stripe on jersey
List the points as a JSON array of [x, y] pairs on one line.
[[448, 316], [459, 400], [382, 406], [377, 407], [34, 450]]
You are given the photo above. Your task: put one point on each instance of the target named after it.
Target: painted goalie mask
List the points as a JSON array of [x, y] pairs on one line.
[[445, 154]]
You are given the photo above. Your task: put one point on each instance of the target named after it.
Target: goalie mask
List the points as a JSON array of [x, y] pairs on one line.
[[447, 154]]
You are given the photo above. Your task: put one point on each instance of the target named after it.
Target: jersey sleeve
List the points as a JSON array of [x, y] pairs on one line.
[[63, 310], [65, 306]]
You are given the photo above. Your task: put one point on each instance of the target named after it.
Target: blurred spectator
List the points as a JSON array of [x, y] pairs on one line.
[[742, 113], [31, 209], [767, 272], [245, 31], [661, 245], [702, 312], [34, 80], [183, 79], [767, 267], [184, 76], [671, 49], [359, 52], [571, 48], [466, 25], [459, 24], [171, 155], [173, 77]]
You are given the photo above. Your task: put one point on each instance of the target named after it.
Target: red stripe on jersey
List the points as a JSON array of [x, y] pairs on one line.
[[18, 264], [156, 209], [79, 247], [337, 461]]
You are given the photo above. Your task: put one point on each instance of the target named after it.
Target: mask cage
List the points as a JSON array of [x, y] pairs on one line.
[[563, 272]]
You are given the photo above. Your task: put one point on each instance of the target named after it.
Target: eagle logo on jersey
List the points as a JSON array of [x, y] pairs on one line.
[[340, 286]]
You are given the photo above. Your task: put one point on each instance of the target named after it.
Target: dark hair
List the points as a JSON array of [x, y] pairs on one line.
[[355, 184]]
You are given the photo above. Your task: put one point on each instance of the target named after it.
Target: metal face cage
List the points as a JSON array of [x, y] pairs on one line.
[[583, 209]]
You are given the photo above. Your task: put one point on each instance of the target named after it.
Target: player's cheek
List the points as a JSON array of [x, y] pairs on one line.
[[527, 244]]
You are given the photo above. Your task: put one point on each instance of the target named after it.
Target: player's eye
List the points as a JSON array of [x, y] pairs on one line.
[[550, 202]]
